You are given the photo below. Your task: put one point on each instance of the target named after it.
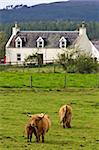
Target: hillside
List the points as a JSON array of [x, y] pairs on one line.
[[71, 10]]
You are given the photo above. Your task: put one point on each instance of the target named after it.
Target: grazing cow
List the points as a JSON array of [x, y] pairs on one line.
[[65, 115], [38, 124]]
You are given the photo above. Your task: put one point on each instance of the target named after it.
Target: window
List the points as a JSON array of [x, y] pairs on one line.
[[62, 42], [18, 42], [40, 42], [18, 57]]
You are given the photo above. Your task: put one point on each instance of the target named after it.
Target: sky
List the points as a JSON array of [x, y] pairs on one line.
[[4, 3]]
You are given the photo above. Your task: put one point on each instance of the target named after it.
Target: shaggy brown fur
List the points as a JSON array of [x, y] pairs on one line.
[[65, 115], [38, 124]]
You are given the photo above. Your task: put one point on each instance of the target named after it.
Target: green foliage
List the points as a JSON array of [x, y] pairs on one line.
[[67, 59], [15, 104], [31, 60], [92, 27], [46, 81], [86, 64], [2, 44], [73, 61]]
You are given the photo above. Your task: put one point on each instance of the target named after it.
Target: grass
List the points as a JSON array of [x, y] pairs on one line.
[[47, 80], [16, 103]]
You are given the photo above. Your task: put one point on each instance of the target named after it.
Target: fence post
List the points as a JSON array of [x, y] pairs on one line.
[[54, 68], [30, 81], [39, 68]]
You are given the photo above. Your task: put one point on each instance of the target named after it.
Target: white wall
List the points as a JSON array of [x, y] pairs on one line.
[[48, 54], [86, 46], [83, 44]]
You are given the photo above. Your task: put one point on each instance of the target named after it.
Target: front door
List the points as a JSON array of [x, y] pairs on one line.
[[40, 59]]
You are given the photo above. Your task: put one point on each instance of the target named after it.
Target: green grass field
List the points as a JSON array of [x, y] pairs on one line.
[[16, 103], [47, 80]]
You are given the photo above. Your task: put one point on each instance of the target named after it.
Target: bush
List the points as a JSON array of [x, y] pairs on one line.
[[76, 62], [86, 64], [72, 68]]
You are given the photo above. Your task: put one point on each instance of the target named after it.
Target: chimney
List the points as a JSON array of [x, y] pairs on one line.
[[82, 29], [15, 29]]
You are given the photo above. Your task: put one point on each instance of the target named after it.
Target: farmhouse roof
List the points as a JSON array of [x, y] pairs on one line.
[[96, 44], [51, 38]]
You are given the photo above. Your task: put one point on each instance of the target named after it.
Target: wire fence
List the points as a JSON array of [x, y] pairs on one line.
[[49, 75], [45, 68], [18, 78]]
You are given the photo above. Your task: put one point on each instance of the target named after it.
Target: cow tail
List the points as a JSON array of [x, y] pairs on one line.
[[66, 111]]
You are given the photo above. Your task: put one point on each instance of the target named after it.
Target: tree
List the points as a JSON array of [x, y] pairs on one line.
[[73, 60], [67, 59], [2, 44], [86, 64]]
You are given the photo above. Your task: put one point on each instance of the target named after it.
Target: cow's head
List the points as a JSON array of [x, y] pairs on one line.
[[35, 121]]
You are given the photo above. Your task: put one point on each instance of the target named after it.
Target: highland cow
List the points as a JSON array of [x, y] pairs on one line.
[[38, 124], [65, 115]]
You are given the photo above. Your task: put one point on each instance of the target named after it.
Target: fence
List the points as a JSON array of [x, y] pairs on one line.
[[50, 75], [49, 67], [20, 79]]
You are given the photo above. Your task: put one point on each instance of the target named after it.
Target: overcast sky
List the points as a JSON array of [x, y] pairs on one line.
[[4, 3]]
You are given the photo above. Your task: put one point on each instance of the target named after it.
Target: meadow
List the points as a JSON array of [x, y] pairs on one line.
[[47, 95], [47, 80]]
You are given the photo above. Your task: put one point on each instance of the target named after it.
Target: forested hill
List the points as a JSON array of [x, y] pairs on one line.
[[71, 10]]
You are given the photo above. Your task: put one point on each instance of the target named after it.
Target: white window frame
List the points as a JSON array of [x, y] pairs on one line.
[[62, 42], [18, 42], [40, 42]]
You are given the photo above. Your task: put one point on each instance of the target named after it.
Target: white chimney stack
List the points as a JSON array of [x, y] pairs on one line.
[[82, 30], [15, 29]]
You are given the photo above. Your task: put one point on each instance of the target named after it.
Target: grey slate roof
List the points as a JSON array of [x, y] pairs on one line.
[[96, 44], [51, 38]]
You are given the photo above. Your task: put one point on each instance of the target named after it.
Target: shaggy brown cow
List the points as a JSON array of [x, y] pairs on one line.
[[39, 124], [65, 114]]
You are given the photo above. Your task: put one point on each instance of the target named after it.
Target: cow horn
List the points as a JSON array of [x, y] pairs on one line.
[[44, 114], [41, 116]]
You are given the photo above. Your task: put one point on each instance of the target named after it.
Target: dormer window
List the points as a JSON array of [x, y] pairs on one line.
[[40, 42], [18, 42], [62, 42]]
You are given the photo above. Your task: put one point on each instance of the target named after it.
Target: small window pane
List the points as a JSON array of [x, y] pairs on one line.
[[18, 44], [18, 57], [40, 44], [63, 44]]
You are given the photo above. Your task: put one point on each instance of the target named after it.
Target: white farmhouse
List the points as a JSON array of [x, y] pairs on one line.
[[46, 44]]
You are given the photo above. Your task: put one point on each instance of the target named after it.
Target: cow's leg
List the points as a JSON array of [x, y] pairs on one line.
[[30, 137], [63, 126], [43, 132], [43, 138], [38, 138], [68, 125], [36, 134], [64, 122]]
